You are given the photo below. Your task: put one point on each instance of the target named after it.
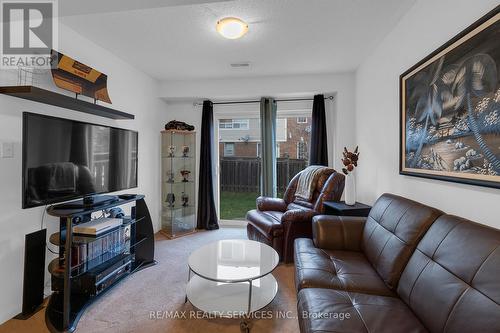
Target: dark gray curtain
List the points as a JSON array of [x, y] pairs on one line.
[[207, 215], [319, 142], [268, 112]]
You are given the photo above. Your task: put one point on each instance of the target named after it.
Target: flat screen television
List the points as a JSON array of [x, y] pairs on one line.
[[65, 159]]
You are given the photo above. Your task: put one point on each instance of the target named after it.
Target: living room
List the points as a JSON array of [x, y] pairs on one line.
[[274, 166]]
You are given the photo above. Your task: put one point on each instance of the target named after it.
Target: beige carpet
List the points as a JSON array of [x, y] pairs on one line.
[[127, 307]]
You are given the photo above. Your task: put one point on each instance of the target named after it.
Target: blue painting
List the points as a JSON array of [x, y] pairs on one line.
[[450, 109]]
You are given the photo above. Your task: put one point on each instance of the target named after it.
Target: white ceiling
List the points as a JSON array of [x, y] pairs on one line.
[[79, 7], [285, 36]]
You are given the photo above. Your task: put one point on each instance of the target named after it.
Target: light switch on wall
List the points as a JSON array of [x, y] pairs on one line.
[[7, 150]]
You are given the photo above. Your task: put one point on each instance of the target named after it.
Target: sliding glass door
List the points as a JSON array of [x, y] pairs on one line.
[[239, 148], [239, 144]]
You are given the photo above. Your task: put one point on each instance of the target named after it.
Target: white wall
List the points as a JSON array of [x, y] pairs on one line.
[[131, 91], [340, 112], [426, 26]]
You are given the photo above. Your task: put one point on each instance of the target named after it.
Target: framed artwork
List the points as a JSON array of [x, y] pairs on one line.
[[450, 109]]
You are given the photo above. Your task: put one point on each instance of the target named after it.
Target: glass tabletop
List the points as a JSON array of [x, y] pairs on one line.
[[233, 260]]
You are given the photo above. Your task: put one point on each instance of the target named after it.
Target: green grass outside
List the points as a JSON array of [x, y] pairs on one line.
[[235, 205]]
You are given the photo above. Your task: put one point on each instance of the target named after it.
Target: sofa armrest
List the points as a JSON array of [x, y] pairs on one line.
[[298, 216], [338, 232], [297, 223], [267, 203]]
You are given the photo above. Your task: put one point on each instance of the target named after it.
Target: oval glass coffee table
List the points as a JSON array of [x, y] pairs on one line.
[[232, 278]]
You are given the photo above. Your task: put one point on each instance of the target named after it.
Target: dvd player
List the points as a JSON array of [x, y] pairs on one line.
[[98, 279]]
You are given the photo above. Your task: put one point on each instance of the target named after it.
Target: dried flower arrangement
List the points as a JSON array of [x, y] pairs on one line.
[[350, 160]]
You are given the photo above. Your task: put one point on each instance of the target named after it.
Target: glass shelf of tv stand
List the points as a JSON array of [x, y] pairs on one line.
[[57, 265], [55, 238]]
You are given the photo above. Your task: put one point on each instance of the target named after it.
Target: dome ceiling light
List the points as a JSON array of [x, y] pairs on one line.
[[232, 27]]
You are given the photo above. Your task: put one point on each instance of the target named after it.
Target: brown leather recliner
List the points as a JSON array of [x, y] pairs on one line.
[[278, 222], [406, 268]]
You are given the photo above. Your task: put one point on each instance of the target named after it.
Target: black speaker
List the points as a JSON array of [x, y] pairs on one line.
[[34, 273]]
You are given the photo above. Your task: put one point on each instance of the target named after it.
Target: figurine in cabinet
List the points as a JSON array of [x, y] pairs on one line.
[[185, 175], [171, 150], [185, 200], [170, 176], [170, 199]]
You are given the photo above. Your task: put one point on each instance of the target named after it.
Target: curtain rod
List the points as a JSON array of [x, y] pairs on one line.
[[277, 100]]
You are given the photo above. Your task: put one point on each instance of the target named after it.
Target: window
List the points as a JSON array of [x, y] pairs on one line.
[[228, 149], [302, 150], [259, 150], [301, 120], [234, 124]]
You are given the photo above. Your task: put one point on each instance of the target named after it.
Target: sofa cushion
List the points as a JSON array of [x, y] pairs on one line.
[[341, 270], [452, 281], [267, 222], [323, 310], [393, 228], [300, 205]]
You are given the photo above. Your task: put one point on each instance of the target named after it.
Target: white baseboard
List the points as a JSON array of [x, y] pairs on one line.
[[233, 223]]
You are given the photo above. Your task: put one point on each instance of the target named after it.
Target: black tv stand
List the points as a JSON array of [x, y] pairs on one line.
[[68, 300], [89, 202]]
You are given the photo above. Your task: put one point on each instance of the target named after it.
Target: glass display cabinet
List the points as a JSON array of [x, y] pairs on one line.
[[178, 183]]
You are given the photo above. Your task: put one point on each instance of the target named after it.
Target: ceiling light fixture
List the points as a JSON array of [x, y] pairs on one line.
[[232, 27]]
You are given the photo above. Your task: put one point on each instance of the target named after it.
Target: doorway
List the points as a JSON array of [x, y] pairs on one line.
[[238, 148]]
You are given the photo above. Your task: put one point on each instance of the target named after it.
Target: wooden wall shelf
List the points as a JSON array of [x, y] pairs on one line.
[[52, 98]]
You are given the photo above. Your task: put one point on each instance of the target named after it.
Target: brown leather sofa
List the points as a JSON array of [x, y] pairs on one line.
[[406, 268], [278, 222]]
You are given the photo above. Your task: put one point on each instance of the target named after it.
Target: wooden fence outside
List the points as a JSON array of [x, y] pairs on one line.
[[242, 174]]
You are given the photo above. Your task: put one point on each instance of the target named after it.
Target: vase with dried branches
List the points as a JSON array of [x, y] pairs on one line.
[[350, 161]]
